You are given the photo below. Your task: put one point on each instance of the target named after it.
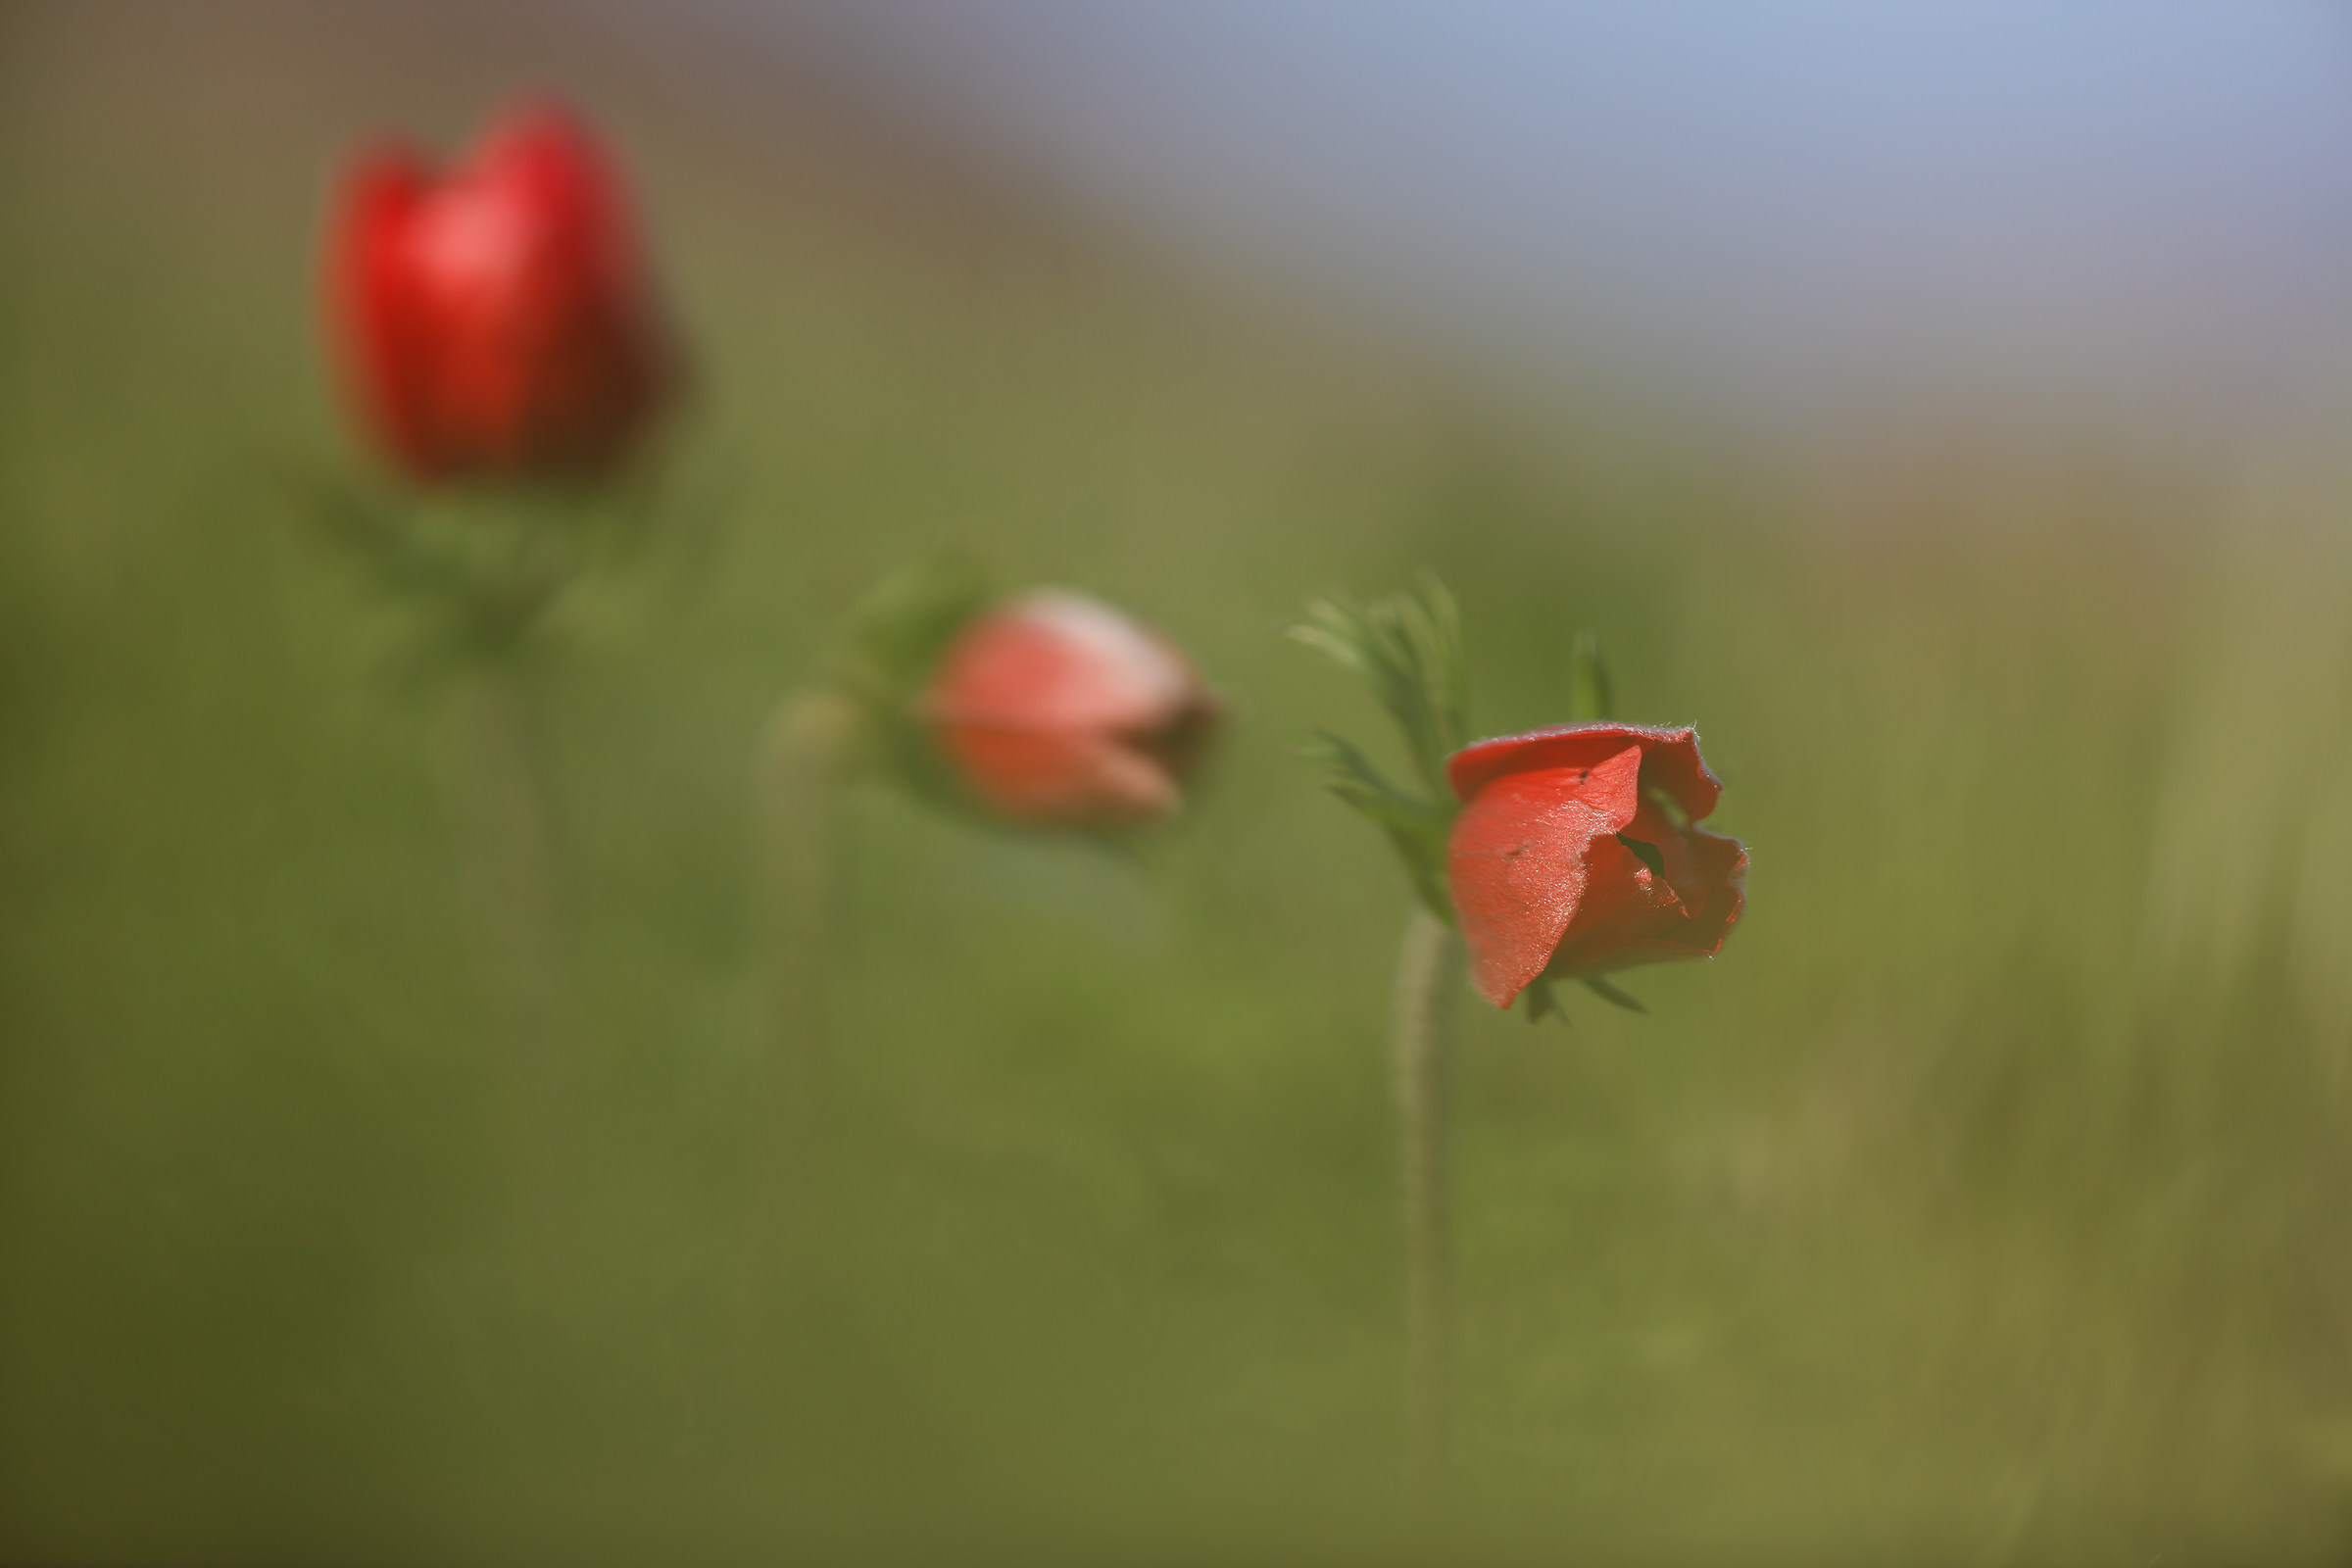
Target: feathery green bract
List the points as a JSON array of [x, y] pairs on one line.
[[887, 650], [1407, 648], [1416, 827], [899, 630]]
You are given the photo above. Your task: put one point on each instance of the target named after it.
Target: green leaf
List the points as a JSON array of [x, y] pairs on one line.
[[899, 631], [1592, 693], [1610, 994], [884, 655]]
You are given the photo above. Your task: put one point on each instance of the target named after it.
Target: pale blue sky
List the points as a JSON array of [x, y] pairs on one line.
[[1764, 199]]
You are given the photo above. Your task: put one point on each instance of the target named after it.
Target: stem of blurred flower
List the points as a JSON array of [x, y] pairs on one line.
[[501, 796], [1428, 976], [803, 754]]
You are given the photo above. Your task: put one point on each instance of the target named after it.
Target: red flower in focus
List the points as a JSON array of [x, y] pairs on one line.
[[1056, 709], [1574, 853], [497, 317]]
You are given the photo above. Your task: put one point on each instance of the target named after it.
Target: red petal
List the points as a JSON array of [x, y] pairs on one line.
[[1058, 708], [1074, 780], [1060, 661], [1518, 859], [1670, 760], [371, 302], [1629, 933], [1723, 862], [509, 325]]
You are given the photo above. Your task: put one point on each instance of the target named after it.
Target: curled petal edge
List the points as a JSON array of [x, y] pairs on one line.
[[1670, 760]]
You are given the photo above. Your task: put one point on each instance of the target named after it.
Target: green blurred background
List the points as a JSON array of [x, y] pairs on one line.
[[1984, 1202]]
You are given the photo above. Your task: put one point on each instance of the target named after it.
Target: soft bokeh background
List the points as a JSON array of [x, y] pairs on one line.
[[1937, 413]]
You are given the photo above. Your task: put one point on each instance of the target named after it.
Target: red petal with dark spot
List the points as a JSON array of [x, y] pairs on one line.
[[1543, 879], [1518, 862]]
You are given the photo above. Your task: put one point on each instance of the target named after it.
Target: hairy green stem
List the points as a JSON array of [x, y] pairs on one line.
[[803, 754], [501, 797], [1428, 978]]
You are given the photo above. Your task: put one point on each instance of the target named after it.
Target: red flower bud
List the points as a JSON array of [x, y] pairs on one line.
[[1574, 855], [496, 320], [1059, 710]]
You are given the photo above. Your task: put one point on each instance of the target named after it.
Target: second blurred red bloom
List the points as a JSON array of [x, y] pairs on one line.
[[497, 319], [1578, 851], [1057, 711]]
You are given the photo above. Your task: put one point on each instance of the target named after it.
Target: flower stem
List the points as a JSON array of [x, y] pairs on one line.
[[1428, 975], [803, 754], [500, 792]]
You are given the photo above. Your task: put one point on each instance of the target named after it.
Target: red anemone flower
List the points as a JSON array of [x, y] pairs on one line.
[[495, 318], [1574, 853], [1056, 709]]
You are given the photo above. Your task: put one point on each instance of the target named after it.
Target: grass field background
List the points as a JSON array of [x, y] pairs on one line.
[[1984, 1202]]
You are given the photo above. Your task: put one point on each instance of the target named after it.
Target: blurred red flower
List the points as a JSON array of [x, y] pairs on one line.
[[1574, 853], [497, 319], [1056, 710]]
